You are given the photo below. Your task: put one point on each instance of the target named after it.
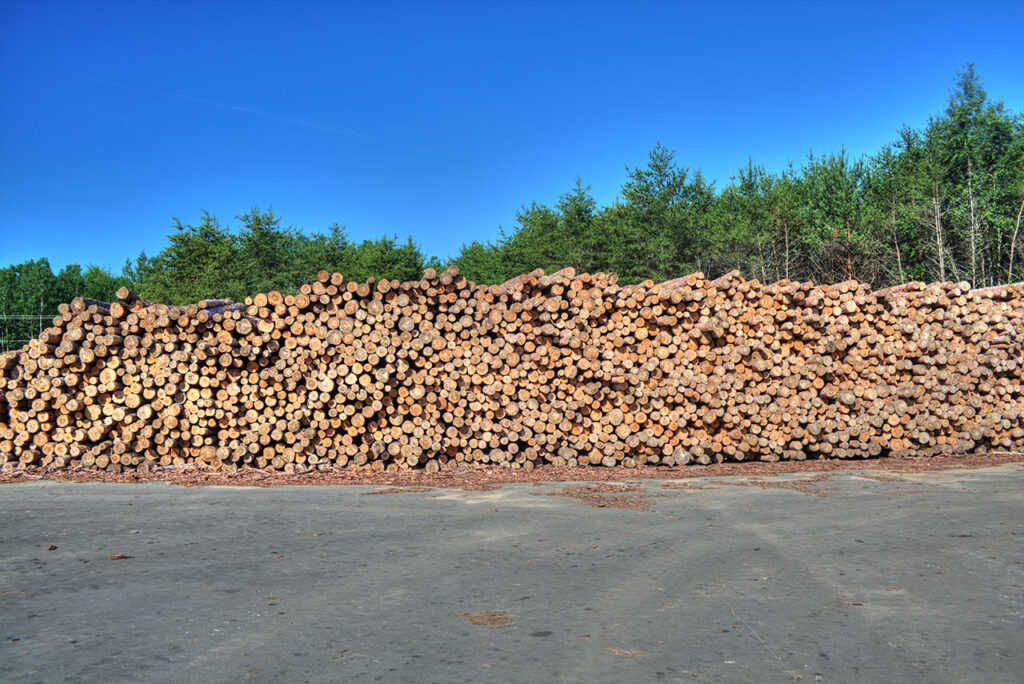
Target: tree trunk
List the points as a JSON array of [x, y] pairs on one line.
[[940, 248], [785, 232], [896, 242], [1013, 242], [974, 225]]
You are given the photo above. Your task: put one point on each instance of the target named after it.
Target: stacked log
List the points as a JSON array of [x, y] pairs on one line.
[[566, 369]]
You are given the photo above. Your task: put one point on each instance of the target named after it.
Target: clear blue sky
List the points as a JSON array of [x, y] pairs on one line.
[[439, 119]]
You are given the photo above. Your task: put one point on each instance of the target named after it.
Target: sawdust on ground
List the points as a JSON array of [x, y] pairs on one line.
[[483, 477]]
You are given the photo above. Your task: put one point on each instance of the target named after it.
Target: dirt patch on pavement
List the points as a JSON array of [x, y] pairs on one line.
[[597, 495], [398, 490], [479, 487], [483, 476], [805, 486], [884, 478], [489, 618], [683, 486]]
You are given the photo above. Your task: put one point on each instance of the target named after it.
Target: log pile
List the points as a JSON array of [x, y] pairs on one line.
[[566, 368]]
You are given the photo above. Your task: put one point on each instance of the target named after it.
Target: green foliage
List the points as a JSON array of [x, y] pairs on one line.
[[840, 231], [482, 262], [29, 288], [200, 261], [207, 261]]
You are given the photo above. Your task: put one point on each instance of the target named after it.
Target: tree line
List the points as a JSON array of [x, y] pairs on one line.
[[940, 203], [943, 202]]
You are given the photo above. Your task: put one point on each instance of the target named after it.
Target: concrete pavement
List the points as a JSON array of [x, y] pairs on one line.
[[845, 577]]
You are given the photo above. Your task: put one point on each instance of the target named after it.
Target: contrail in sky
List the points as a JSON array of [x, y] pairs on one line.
[[294, 121]]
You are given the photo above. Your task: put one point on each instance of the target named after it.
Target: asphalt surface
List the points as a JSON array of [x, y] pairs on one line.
[[911, 577]]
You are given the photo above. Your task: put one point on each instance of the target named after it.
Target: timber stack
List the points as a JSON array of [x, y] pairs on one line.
[[566, 369]]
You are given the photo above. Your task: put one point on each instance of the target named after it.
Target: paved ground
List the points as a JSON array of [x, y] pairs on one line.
[[838, 577]]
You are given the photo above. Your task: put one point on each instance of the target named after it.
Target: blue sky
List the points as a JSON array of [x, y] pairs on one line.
[[439, 119]]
